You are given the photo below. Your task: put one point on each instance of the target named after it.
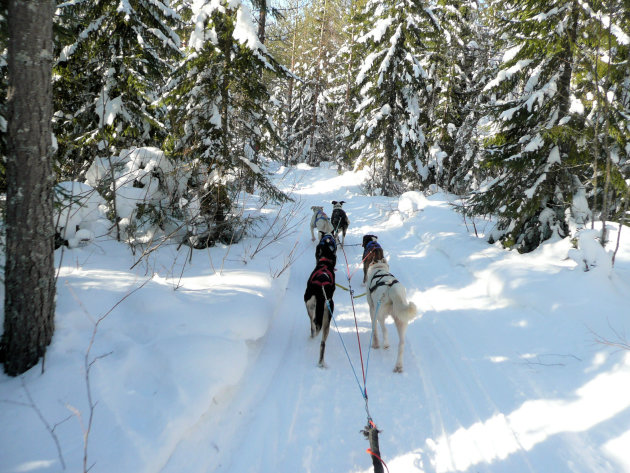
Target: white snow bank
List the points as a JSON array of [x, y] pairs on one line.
[[411, 202], [79, 213]]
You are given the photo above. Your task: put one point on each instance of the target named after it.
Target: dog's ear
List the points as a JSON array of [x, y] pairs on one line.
[[334, 202], [342, 202]]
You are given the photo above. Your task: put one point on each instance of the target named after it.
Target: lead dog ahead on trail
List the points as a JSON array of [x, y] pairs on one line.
[[320, 221], [339, 220]]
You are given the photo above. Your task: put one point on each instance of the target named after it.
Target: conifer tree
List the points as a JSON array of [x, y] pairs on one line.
[[533, 150], [313, 121], [604, 91], [395, 81], [342, 92], [454, 112], [218, 98], [113, 59]]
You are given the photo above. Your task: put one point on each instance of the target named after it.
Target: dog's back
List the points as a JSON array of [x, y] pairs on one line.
[[384, 287], [320, 222], [327, 248], [321, 285], [339, 218]]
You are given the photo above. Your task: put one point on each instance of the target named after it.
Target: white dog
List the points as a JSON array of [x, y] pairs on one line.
[[320, 221], [387, 296]]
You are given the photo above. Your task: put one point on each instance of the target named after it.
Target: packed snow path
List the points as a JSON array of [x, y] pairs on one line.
[[495, 380]]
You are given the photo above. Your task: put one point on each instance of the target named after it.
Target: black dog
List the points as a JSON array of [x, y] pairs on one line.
[[318, 298], [372, 251], [327, 247], [339, 220]]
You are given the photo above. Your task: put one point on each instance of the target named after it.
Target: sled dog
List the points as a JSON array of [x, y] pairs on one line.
[[387, 296], [327, 247], [339, 220], [320, 288], [372, 251], [320, 221]]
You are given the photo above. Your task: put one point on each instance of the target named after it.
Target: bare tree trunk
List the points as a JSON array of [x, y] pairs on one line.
[[605, 197], [29, 303], [388, 159], [289, 107]]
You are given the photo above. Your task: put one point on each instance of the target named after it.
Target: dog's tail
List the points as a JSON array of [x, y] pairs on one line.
[[405, 310]]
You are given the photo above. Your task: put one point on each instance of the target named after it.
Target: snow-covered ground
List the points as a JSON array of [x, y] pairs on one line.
[[205, 365]]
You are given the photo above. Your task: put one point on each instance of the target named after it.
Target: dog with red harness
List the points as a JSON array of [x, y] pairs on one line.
[[318, 296]]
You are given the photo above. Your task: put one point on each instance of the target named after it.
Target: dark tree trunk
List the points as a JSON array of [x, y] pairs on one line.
[[262, 20], [29, 304]]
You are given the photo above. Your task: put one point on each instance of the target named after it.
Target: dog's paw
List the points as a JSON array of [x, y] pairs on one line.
[[322, 365], [386, 346], [398, 369]]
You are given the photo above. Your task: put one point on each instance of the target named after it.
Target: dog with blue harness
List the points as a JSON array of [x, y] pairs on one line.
[[320, 221], [372, 251]]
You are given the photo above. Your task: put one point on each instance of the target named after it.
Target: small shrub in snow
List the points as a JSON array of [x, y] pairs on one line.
[[79, 214], [143, 187]]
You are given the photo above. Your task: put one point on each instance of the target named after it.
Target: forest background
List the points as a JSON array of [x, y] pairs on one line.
[[166, 113]]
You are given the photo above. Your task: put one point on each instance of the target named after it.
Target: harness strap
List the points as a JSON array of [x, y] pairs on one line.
[[321, 216], [380, 281], [322, 272]]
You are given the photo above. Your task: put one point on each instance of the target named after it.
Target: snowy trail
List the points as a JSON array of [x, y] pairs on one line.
[[456, 408], [210, 367]]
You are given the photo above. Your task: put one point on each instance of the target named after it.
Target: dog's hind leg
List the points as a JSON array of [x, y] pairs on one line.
[[311, 306], [381, 321], [374, 336], [402, 329], [325, 330], [383, 310]]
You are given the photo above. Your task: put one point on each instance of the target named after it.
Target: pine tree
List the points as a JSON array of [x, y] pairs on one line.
[[455, 110], [395, 79], [317, 35], [113, 60], [604, 91], [533, 151], [218, 98], [342, 91]]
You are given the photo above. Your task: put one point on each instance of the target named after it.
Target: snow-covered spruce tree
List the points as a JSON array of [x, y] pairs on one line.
[[220, 124], [604, 89], [533, 149], [395, 79], [455, 110], [465, 166], [284, 45], [113, 59], [312, 122], [342, 92]]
